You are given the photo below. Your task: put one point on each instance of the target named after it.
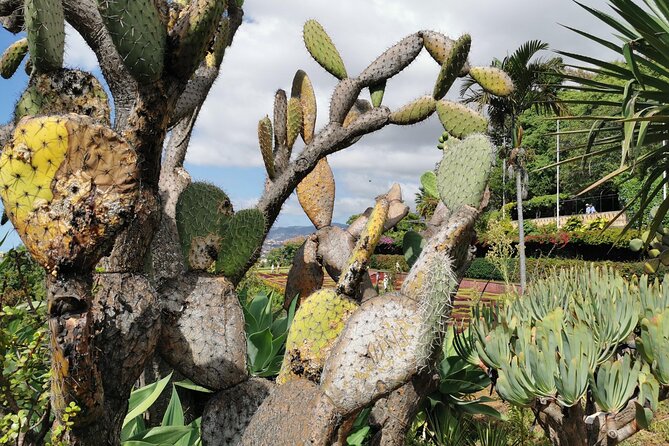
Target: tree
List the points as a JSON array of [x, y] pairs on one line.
[[535, 86], [142, 261]]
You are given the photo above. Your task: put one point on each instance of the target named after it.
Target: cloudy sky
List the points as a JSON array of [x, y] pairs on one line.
[[268, 49]]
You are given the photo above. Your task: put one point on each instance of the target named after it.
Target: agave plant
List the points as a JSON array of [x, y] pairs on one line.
[[637, 92]]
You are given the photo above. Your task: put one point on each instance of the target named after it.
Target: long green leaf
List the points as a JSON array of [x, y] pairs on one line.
[[142, 399]]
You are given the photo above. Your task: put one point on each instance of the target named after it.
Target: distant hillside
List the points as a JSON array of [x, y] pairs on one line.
[[281, 234]]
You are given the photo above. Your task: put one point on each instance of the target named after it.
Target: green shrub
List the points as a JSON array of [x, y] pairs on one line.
[[388, 262], [573, 223], [482, 269]]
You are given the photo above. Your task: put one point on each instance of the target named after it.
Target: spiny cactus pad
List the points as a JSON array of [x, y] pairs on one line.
[[192, 35], [316, 193], [322, 49], [428, 182], [416, 111], [304, 91], [438, 45], [293, 121], [464, 171], [12, 58], [280, 118], [241, 235], [376, 92], [374, 354], [459, 120], [67, 185], [64, 91], [393, 60], [452, 66], [493, 80], [265, 139], [139, 35], [45, 26], [318, 322], [200, 212]]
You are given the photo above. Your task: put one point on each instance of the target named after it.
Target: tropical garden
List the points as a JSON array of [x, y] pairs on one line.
[[138, 309]]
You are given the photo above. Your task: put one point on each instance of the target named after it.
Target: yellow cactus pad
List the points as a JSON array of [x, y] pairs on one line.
[[318, 322], [265, 138], [316, 194], [493, 80], [67, 184], [293, 120], [303, 90]]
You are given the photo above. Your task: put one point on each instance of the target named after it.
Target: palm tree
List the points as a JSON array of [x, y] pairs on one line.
[[536, 85]]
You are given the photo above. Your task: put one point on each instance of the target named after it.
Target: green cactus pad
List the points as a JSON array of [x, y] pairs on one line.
[[459, 120], [416, 111], [376, 92], [322, 49], [45, 26], [265, 138], [318, 322], [200, 213], [293, 121], [241, 235], [192, 34], [393, 60], [428, 181], [464, 171], [64, 91], [139, 35], [438, 45], [12, 58], [452, 66], [493, 80]]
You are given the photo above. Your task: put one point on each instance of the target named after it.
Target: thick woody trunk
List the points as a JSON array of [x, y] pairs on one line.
[[521, 230]]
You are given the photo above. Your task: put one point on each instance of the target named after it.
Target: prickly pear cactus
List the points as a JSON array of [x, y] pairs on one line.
[[316, 194], [12, 58], [241, 235], [201, 210], [493, 80], [67, 185], [139, 35], [322, 49], [474, 155], [452, 65], [318, 322], [64, 91], [414, 112], [45, 26], [459, 120]]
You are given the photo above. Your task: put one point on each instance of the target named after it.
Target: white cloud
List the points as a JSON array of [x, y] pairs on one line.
[[77, 53]]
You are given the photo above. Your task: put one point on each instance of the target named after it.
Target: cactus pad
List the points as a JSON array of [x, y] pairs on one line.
[[376, 93], [139, 35], [322, 49], [452, 66], [464, 171], [200, 212], [265, 137], [393, 60], [242, 234], [192, 35], [280, 118], [428, 182], [293, 121], [64, 91], [318, 322], [316, 193], [67, 185], [414, 112], [12, 58], [459, 120], [493, 80], [303, 90], [375, 353], [45, 26]]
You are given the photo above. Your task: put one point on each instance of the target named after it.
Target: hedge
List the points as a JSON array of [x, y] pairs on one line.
[[481, 268], [387, 262]]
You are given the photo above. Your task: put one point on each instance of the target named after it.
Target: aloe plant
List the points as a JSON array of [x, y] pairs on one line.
[[563, 349]]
